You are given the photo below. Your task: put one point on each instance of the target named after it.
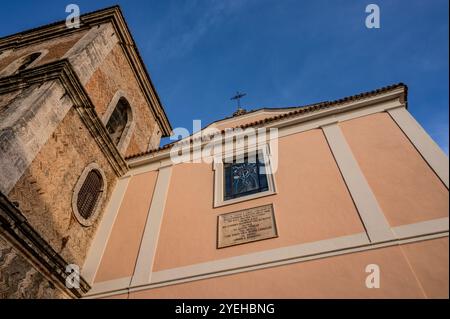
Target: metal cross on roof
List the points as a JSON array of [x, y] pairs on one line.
[[238, 97]]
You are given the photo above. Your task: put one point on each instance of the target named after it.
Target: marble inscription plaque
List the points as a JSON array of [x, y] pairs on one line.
[[246, 226]]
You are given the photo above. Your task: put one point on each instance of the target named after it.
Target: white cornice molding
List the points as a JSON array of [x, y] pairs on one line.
[[311, 120]]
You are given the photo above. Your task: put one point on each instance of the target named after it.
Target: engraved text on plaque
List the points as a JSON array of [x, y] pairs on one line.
[[246, 225]]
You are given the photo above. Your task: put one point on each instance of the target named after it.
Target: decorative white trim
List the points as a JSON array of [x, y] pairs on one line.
[[98, 246], [291, 261], [89, 221], [430, 151], [131, 120], [119, 289], [421, 231], [260, 258], [218, 168], [11, 68], [422, 228], [290, 126], [310, 122], [144, 264], [369, 210], [110, 285]]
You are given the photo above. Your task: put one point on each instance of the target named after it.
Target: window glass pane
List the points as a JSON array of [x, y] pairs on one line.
[[245, 178]]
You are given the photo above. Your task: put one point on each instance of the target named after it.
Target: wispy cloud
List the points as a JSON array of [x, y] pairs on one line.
[[182, 27]]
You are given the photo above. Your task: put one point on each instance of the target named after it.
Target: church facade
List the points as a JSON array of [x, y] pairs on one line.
[[338, 199]]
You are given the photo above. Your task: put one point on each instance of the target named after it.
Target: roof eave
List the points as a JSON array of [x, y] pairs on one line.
[[291, 118]]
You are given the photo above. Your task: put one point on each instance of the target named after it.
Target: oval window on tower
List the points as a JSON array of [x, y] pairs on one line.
[[88, 194]]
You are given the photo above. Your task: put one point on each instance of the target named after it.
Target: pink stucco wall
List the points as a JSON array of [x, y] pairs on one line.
[[402, 275], [312, 204], [406, 188], [123, 245]]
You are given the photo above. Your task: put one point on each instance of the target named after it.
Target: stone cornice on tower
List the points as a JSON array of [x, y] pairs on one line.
[[63, 71], [111, 15]]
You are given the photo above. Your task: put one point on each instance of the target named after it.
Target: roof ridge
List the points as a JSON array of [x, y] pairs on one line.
[[300, 110], [260, 109]]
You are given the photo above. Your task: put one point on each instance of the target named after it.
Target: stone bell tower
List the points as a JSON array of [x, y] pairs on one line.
[[74, 103]]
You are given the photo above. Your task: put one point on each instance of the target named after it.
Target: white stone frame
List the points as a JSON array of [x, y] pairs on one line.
[[218, 177], [129, 128], [149, 243], [14, 65], [89, 221]]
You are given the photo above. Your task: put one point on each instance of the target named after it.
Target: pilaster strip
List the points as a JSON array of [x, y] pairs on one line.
[[98, 246], [147, 250], [433, 226], [430, 151], [370, 212]]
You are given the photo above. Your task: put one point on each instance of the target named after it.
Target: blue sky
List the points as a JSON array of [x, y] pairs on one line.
[[280, 52]]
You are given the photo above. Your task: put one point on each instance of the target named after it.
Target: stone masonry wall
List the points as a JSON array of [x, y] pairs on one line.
[[115, 74], [44, 192], [19, 279], [98, 59], [26, 124], [45, 146], [56, 47]]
